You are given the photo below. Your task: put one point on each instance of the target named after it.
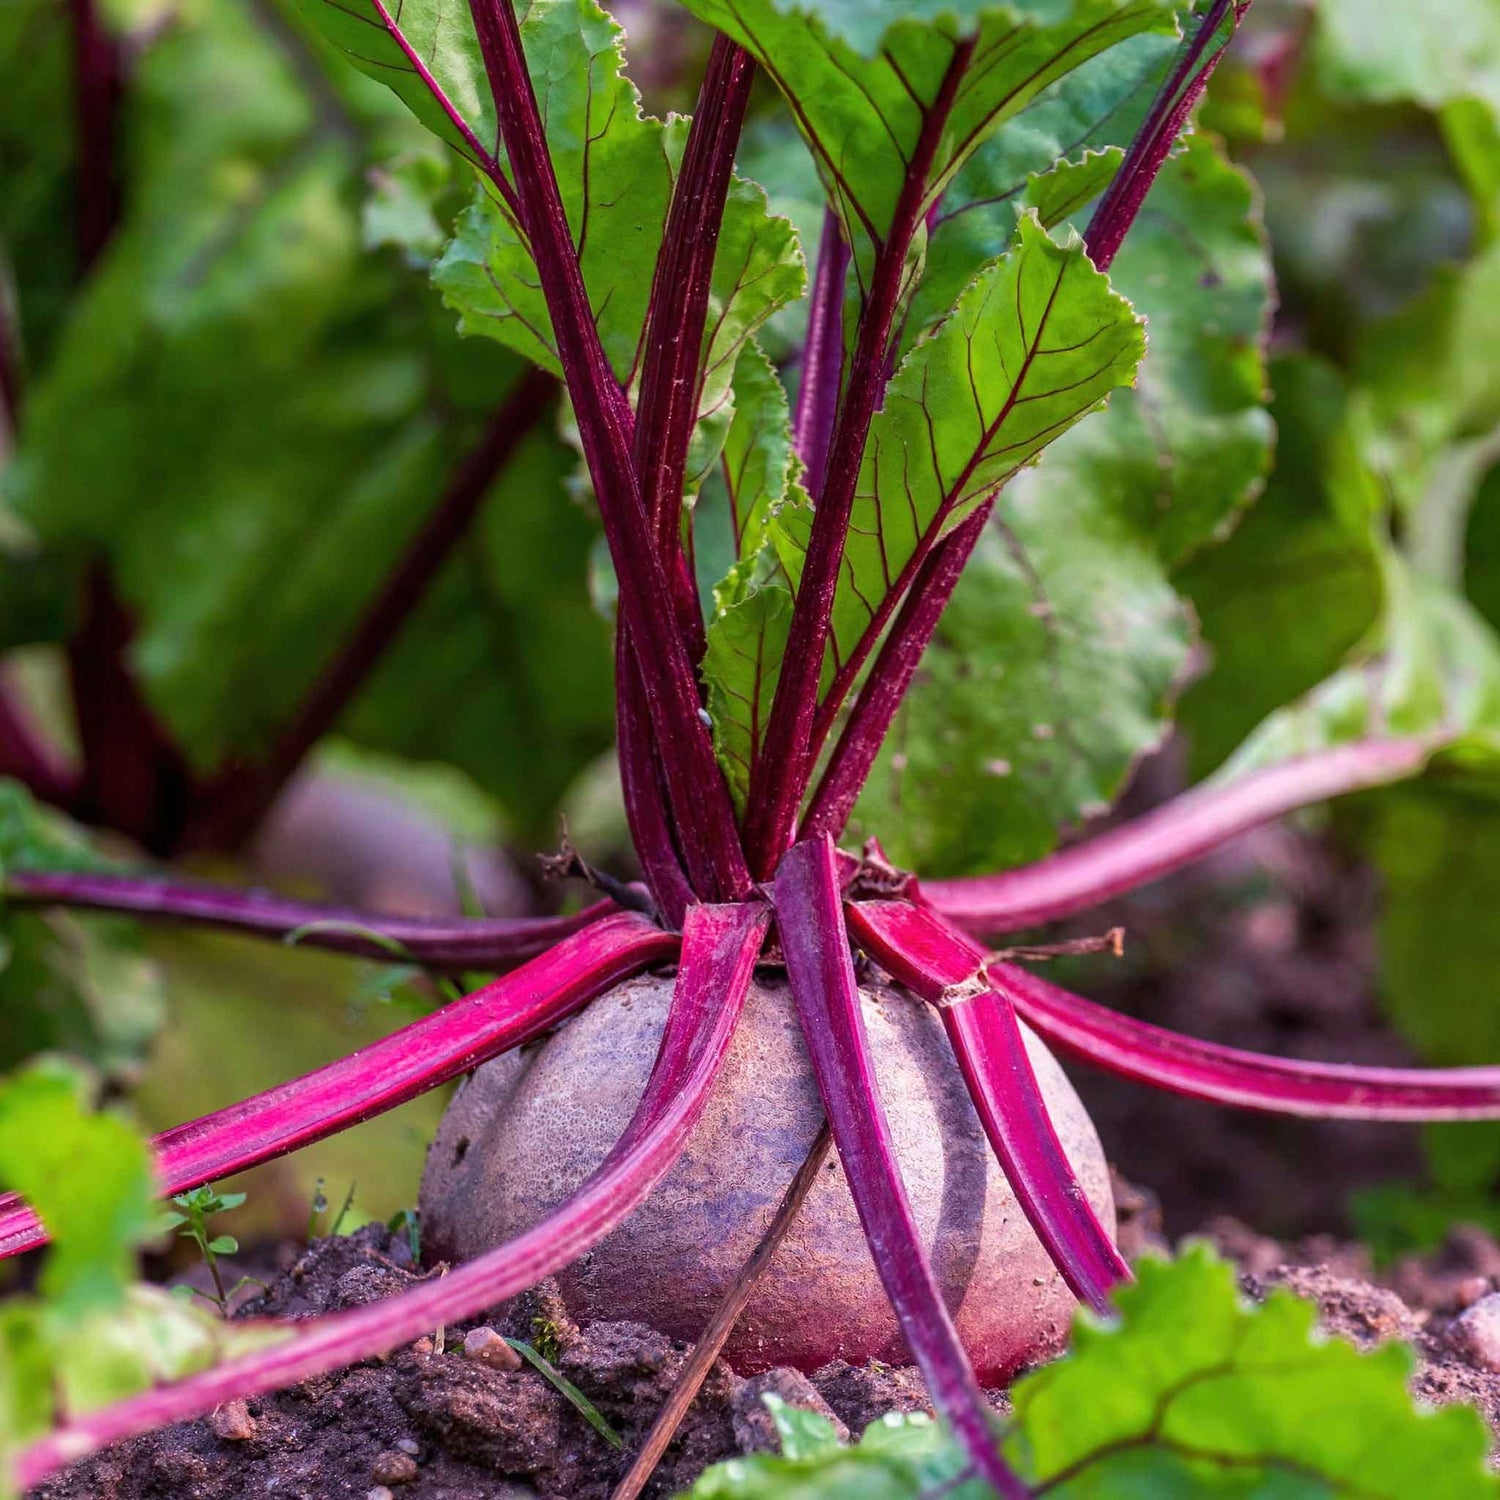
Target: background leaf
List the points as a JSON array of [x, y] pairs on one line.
[[1054, 668], [1194, 1392]]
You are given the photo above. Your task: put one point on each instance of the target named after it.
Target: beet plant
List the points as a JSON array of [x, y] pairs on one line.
[[796, 642]]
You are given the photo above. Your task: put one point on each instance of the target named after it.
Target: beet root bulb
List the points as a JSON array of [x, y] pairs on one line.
[[527, 1129]]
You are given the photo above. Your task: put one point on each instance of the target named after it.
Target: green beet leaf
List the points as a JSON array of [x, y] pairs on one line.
[[753, 602], [615, 168], [898, 1458], [251, 507], [1192, 1392], [69, 982], [1055, 665], [89, 1177], [1033, 344], [1189, 446], [94, 1335], [504, 669], [1052, 670], [426, 52], [876, 98], [1074, 123], [1301, 569]]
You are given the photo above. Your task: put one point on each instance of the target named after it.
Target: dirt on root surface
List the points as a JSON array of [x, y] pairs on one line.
[[451, 1424]]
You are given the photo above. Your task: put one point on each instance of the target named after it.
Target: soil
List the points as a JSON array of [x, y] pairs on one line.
[[433, 1423]]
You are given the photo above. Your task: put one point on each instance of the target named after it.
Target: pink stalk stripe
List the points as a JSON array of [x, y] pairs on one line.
[[434, 942], [992, 1054], [1246, 1080], [810, 923], [453, 1040], [947, 969], [822, 356], [1168, 837], [703, 813], [785, 763], [720, 946]]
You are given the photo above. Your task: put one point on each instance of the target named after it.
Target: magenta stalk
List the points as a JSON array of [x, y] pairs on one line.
[[1169, 112], [699, 796], [641, 788], [482, 157], [1169, 837], [1245, 1080], [947, 970], [720, 946], [810, 924], [785, 764], [442, 944], [399, 1067], [671, 373]]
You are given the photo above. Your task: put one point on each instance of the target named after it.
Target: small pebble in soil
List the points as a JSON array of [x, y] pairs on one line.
[[380, 1493], [1475, 1333], [1470, 1290], [232, 1422], [754, 1430], [485, 1345], [394, 1468]]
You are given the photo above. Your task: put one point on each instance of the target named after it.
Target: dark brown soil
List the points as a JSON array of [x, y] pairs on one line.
[[442, 1425]]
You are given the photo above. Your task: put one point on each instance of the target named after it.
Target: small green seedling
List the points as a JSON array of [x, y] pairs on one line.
[[405, 1221], [190, 1219]]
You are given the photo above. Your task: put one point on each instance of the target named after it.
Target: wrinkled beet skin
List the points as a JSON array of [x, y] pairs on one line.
[[525, 1131]]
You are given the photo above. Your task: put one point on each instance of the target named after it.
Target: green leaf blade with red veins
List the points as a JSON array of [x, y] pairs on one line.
[[1193, 1391], [742, 667], [1036, 341], [1189, 447], [616, 168], [753, 601], [1096, 107], [426, 53], [862, 90], [1068, 613]]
